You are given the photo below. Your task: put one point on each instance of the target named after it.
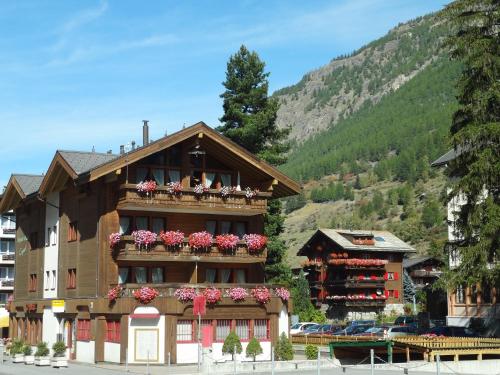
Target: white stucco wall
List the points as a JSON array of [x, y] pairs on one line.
[[187, 353], [283, 322], [218, 356], [85, 351], [112, 352], [146, 324], [50, 327], [51, 249]]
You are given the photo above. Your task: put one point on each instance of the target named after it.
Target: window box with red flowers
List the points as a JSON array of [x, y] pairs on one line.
[[226, 242], [115, 293], [212, 295], [255, 242], [237, 294], [114, 240], [261, 294], [143, 239], [185, 294], [146, 294], [200, 240], [172, 239]]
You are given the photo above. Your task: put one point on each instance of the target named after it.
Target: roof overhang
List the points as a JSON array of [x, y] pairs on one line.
[[57, 175], [12, 195]]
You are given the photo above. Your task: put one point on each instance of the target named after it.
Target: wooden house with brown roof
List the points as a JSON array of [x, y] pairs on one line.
[[112, 249]]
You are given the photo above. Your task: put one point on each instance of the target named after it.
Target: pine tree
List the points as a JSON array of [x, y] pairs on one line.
[[409, 289], [250, 120], [253, 348], [475, 136], [232, 344]]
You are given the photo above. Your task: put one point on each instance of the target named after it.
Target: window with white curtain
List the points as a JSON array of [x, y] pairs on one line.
[[240, 276], [158, 224], [260, 329], [46, 282], [174, 175], [243, 329], [159, 176], [225, 227], [157, 275], [140, 174], [225, 275], [141, 222], [210, 275], [211, 227], [222, 329], [122, 275], [54, 235], [125, 224], [184, 330], [240, 229], [225, 179], [141, 276], [54, 282], [209, 178]]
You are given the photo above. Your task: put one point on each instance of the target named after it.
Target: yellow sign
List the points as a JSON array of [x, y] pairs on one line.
[[58, 305]]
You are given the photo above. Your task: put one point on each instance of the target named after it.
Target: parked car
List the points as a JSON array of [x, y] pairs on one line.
[[405, 320], [312, 329], [451, 331], [330, 328], [377, 331], [362, 323], [396, 331], [300, 327], [352, 330]]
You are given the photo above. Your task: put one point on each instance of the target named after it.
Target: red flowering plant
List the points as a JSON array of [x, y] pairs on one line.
[[146, 294], [143, 238], [115, 293], [237, 294], [200, 240], [185, 294], [226, 241], [213, 295], [174, 188], [261, 294], [172, 239], [255, 242], [358, 262], [146, 186], [283, 293], [114, 239]]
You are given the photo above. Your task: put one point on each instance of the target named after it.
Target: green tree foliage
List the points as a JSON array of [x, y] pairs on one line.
[[249, 120], [27, 350], [59, 349], [432, 214], [301, 295], [475, 135], [253, 348], [17, 346], [283, 350], [42, 350], [294, 203], [311, 351], [232, 344]]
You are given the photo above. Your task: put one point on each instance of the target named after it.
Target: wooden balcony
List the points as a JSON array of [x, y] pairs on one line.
[[189, 202], [354, 283], [359, 302], [159, 252]]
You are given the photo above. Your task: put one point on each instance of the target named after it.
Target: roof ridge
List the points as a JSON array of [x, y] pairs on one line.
[[28, 174], [87, 152]]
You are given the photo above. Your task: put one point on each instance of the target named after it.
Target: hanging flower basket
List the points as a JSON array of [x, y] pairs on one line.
[[238, 294], [174, 188], [283, 293], [226, 241], [185, 294], [147, 186], [213, 295], [172, 238], [143, 238], [354, 262], [114, 239], [146, 294], [251, 193], [261, 294], [115, 293], [255, 242], [200, 240], [200, 189]]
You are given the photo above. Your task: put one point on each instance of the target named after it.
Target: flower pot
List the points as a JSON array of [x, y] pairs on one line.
[[42, 361], [59, 362], [29, 359], [18, 358]]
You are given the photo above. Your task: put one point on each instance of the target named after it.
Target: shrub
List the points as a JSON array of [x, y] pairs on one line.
[[42, 350], [27, 349], [59, 349], [311, 352], [17, 347], [253, 348], [284, 349], [232, 344]]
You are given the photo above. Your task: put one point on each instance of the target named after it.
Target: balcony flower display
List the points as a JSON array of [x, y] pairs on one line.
[[172, 238], [226, 241], [358, 262], [251, 193], [146, 186], [174, 188], [114, 239], [312, 262], [143, 238], [213, 295], [237, 294], [200, 189], [146, 294], [225, 191], [373, 277], [261, 294], [199, 240], [185, 294], [283, 293], [255, 242], [115, 293]]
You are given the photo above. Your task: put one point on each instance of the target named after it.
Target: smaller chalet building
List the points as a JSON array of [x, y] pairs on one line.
[[356, 274]]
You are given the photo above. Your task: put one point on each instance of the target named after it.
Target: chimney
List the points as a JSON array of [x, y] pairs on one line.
[[145, 133], [109, 152], [122, 149], [133, 145]]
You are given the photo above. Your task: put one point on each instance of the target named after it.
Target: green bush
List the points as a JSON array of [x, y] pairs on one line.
[[253, 348], [232, 344], [311, 352], [59, 349], [284, 349], [42, 350], [17, 347], [27, 349]]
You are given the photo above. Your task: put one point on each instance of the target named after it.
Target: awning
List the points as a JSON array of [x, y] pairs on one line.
[[142, 316]]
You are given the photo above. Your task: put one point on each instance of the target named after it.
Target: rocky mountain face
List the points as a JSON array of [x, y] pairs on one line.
[[337, 90]]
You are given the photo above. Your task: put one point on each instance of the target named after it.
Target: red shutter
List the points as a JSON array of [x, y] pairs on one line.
[[386, 276], [386, 292], [396, 276], [396, 294]]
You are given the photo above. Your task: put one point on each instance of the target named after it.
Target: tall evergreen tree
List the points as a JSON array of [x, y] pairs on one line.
[[250, 120], [475, 136]]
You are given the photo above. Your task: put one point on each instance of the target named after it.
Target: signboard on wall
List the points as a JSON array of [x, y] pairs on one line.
[[146, 345], [58, 305]]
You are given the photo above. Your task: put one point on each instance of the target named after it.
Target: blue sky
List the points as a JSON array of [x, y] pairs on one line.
[[78, 74]]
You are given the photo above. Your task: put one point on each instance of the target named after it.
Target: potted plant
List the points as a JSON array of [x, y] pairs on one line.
[[16, 351], [59, 358], [42, 355], [29, 358]]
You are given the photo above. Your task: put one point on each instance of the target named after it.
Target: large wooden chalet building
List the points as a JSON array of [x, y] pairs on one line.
[[86, 248], [355, 274]]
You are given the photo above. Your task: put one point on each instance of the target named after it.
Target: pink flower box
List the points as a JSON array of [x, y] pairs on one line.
[[213, 295], [226, 241], [146, 186], [283, 293], [143, 238], [146, 294], [261, 294], [185, 294], [255, 242], [199, 240], [172, 238], [114, 239], [238, 294]]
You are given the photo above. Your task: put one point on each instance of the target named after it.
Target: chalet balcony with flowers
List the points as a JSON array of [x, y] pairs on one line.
[[139, 241]]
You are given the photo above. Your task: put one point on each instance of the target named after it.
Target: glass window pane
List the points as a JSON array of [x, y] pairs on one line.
[[122, 275], [140, 174], [225, 227], [174, 176], [157, 275], [240, 276], [158, 224], [240, 229], [210, 274], [125, 225], [140, 275], [159, 176], [225, 179], [141, 222], [242, 329], [211, 227]]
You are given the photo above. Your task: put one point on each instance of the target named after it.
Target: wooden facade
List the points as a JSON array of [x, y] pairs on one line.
[[102, 199]]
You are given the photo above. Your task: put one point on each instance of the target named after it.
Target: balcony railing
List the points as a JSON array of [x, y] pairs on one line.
[[8, 257], [356, 283], [189, 201], [7, 283], [159, 252], [9, 230], [424, 273]]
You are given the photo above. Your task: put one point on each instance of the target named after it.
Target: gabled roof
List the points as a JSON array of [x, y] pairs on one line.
[[410, 262], [384, 241], [18, 188], [29, 183], [82, 162]]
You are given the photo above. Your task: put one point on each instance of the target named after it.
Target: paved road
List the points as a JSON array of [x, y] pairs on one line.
[[9, 368]]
